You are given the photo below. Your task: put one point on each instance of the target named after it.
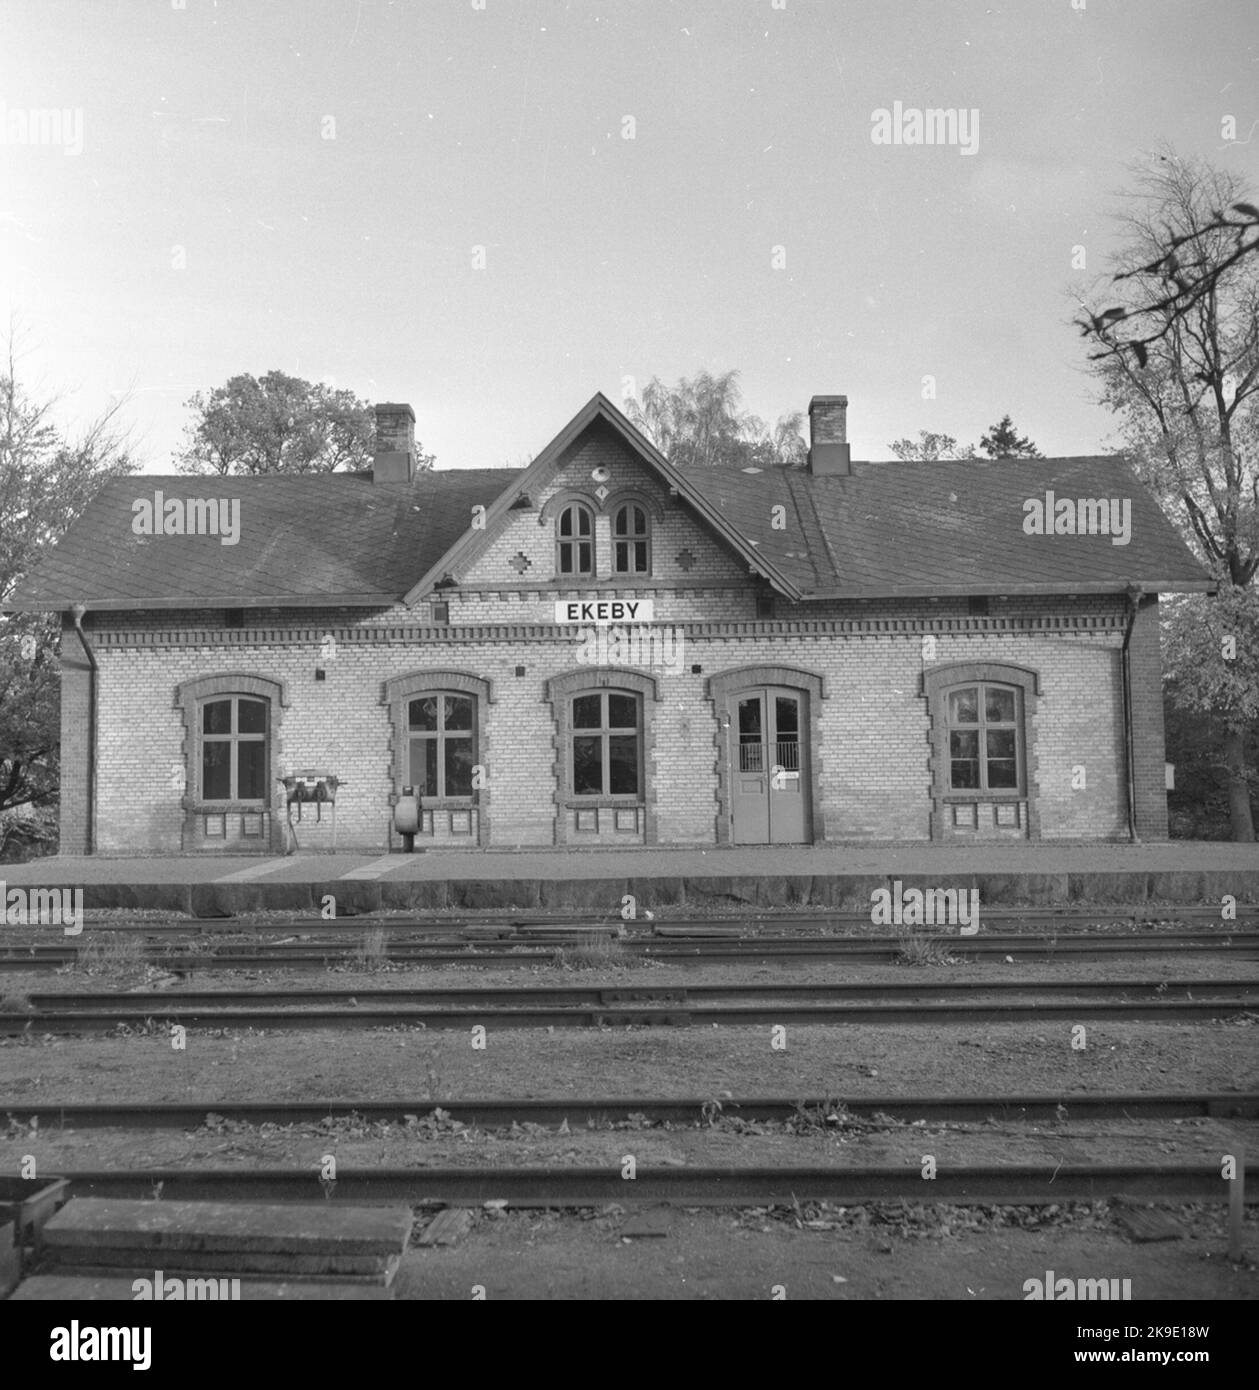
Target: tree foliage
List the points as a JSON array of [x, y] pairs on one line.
[[46, 480], [1182, 267], [1188, 405], [929, 447], [1003, 441], [278, 424], [699, 423], [1211, 661]]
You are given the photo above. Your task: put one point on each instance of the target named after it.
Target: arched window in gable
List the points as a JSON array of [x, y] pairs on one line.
[[631, 540], [575, 540]]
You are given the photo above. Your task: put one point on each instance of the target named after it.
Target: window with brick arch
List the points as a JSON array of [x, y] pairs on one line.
[[985, 737], [607, 742], [234, 753], [631, 540], [441, 732], [575, 540]]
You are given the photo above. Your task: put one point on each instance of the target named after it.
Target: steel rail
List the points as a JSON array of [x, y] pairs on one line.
[[662, 920], [1020, 1185], [808, 950], [494, 1114], [801, 1015], [671, 995], [746, 933]]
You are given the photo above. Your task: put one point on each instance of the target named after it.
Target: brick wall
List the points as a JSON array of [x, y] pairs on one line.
[[872, 769]]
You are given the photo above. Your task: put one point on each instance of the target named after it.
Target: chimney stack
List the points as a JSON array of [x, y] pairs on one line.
[[394, 460], [829, 453]]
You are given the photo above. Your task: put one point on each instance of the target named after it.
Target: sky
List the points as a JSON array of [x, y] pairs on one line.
[[492, 209]]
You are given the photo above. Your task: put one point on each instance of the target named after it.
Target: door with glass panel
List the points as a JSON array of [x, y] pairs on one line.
[[769, 776]]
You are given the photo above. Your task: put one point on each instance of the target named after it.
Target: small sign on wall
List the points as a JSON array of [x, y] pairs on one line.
[[1169, 776], [603, 611]]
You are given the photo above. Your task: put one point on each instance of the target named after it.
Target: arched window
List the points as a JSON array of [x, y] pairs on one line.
[[984, 739], [234, 758], [982, 725], [607, 743], [575, 540], [441, 736], [233, 744], [631, 540]]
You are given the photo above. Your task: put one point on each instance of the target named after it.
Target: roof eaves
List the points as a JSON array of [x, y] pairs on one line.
[[124, 605], [996, 587]]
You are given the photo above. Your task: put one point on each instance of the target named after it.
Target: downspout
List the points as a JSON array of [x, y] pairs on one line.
[[1134, 602], [77, 613]]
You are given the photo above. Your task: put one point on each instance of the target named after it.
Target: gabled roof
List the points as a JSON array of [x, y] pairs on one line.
[[896, 529], [597, 408]]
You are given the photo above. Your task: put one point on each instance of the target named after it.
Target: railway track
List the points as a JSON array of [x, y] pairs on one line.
[[674, 951], [496, 1114], [1021, 1184]]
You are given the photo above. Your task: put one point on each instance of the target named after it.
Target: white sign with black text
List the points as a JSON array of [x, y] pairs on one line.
[[603, 611]]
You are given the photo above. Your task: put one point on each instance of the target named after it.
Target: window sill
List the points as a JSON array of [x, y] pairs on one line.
[[589, 581], [1005, 795], [594, 803], [446, 803], [214, 808]]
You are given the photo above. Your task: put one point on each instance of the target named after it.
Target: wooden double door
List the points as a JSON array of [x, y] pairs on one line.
[[770, 773]]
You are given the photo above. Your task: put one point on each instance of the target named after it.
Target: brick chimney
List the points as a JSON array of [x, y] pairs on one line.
[[394, 460], [829, 453]]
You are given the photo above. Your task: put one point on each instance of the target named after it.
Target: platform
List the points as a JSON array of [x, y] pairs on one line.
[[819, 876]]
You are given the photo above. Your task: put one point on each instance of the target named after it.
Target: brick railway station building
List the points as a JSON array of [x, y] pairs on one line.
[[602, 650]]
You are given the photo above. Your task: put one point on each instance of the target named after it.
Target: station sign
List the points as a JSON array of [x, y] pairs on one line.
[[602, 612]]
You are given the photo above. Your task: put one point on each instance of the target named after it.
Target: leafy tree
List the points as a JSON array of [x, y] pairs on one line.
[[698, 423], [46, 481], [278, 424], [1188, 404], [929, 447], [1211, 659], [1179, 269], [1003, 441], [784, 446]]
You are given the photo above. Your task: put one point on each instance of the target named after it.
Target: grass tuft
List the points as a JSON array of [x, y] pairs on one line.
[[922, 950], [372, 952], [111, 954], [596, 953]]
